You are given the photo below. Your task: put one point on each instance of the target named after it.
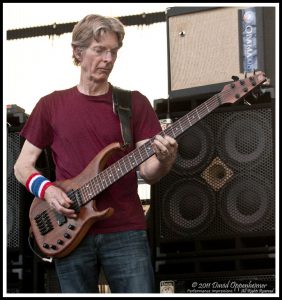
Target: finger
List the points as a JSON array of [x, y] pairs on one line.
[[66, 198], [67, 212], [159, 144], [171, 142], [167, 141], [62, 209], [157, 149]]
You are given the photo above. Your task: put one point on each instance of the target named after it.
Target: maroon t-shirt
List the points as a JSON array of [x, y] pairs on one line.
[[77, 127]]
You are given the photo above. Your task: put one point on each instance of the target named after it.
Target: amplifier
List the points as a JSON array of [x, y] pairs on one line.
[[208, 45]]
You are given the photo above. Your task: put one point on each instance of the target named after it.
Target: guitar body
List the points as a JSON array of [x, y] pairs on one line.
[[60, 240]]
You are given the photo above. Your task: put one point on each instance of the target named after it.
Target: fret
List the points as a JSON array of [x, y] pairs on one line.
[[169, 131], [143, 152], [114, 171], [110, 177], [118, 168], [89, 192], [84, 194], [122, 166], [138, 156], [187, 117], [202, 111], [103, 182], [127, 163], [148, 148], [192, 117], [197, 113], [132, 160], [207, 106], [177, 130], [93, 186], [219, 99]]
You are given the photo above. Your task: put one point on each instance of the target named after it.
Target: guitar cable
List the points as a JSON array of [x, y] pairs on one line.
[[47, 259]]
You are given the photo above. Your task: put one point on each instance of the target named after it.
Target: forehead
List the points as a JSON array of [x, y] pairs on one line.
[[106, 39]]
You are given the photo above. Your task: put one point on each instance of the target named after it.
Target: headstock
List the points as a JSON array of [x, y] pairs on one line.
[[237, 90]]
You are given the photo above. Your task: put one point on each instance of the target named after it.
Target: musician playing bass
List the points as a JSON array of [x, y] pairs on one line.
[[79, 124]]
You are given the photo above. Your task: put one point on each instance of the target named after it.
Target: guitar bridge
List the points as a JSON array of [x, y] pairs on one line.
[[44, 223]]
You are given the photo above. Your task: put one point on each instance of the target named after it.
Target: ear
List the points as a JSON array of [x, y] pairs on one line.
[[77, 52]]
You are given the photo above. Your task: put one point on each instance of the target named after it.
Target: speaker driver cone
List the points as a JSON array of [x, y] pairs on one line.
[[244, 139], [188, 207], [195, 149], [246, 203]]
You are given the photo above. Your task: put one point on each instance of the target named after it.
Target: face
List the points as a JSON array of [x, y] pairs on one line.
[[97, 61]]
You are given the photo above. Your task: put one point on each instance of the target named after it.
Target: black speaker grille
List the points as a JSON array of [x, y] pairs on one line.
[[231, 191], [18, 198], [244, 139], [196, 148], [247, 204], [15, 192], [188, 208]]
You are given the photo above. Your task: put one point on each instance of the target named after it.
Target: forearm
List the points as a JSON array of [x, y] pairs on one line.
[[23, 172], [40, 186], [153, 170], [161, 162], [25, 164]]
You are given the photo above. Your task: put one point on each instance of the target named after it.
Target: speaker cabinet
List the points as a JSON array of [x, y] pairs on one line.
[[22, 269], [18, 199], [208, 45], [219, 196]]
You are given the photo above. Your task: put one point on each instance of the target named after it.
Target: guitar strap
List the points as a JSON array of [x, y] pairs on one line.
[[122, 107]]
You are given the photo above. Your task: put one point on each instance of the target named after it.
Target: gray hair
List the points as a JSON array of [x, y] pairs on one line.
[[92, 27]]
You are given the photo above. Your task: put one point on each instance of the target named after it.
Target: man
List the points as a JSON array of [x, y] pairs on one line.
[[77, 124]]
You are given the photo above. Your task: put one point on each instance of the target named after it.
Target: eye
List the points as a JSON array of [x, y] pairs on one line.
[[114, 52], [98, 50]]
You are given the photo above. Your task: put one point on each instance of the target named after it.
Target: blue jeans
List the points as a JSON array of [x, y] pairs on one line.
[[125, 259]]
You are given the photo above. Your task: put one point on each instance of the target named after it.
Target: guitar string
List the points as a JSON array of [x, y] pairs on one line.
[[113, 169], [185, 120], [214, 100]]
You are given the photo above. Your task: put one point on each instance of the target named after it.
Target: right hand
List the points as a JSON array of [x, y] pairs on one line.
[[59, 200]]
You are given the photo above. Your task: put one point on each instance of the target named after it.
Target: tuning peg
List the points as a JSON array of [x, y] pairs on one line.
[[254, 71], [245, 74], [235, 78]]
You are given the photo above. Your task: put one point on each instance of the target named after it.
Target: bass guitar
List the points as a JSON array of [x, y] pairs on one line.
[[57, 235]]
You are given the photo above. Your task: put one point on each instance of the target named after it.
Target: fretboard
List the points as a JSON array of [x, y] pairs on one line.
[[133, 159]]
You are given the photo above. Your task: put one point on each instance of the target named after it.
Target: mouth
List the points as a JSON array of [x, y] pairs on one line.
[[104, 70]]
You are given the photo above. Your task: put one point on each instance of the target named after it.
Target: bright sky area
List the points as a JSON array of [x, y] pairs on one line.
[[36, 66]]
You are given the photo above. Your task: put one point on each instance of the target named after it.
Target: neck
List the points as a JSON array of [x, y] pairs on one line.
[[93, 89]]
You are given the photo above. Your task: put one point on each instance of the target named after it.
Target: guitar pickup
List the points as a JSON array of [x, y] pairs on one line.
[[61, 219], [77, 202], [76, 199]]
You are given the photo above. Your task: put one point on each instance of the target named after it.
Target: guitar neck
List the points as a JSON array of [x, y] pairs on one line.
[[181, 125], [132, 160]]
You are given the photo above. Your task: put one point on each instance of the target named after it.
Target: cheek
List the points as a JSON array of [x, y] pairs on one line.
[[89, 63]]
